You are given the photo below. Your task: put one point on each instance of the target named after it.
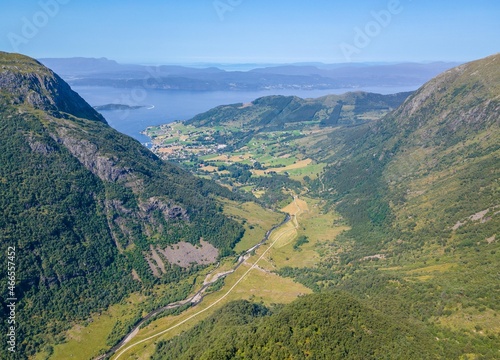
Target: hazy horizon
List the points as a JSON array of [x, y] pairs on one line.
[[258, 32], [251, 65]]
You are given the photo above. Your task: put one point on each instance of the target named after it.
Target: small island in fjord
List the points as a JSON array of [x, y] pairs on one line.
[[114, 107]]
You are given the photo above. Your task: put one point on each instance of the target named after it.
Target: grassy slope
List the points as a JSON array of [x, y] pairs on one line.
[[257, 221], [404, 183]]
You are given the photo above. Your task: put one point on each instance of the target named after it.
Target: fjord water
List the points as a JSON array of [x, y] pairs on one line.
[[165, 106]]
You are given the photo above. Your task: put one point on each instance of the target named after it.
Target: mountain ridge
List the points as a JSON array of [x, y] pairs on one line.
[[274, 111], [103, 72]]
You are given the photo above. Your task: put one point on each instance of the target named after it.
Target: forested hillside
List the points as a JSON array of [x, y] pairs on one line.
[[82, 205], [321, 326]]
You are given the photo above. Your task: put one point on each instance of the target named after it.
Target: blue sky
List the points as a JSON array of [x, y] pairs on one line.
[[252, 31]]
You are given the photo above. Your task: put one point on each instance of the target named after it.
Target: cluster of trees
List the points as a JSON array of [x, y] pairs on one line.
[[322, 326], [276, 186]]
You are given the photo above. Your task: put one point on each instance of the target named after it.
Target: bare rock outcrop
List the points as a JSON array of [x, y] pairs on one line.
[[169, 210], [104, 166]]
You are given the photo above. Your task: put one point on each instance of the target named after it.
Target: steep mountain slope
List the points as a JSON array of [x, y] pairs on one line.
[[83, 205], [28, 82], [433, 162], [420, 190]]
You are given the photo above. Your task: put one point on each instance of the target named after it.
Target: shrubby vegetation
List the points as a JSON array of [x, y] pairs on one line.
[[301, 240]]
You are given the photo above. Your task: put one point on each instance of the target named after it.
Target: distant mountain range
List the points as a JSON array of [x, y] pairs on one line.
[[105, 72]]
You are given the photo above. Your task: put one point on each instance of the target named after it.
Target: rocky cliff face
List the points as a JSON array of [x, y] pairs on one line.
[[103, 165]]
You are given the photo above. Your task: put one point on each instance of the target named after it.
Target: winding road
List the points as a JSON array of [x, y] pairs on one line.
[[194, 299]]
